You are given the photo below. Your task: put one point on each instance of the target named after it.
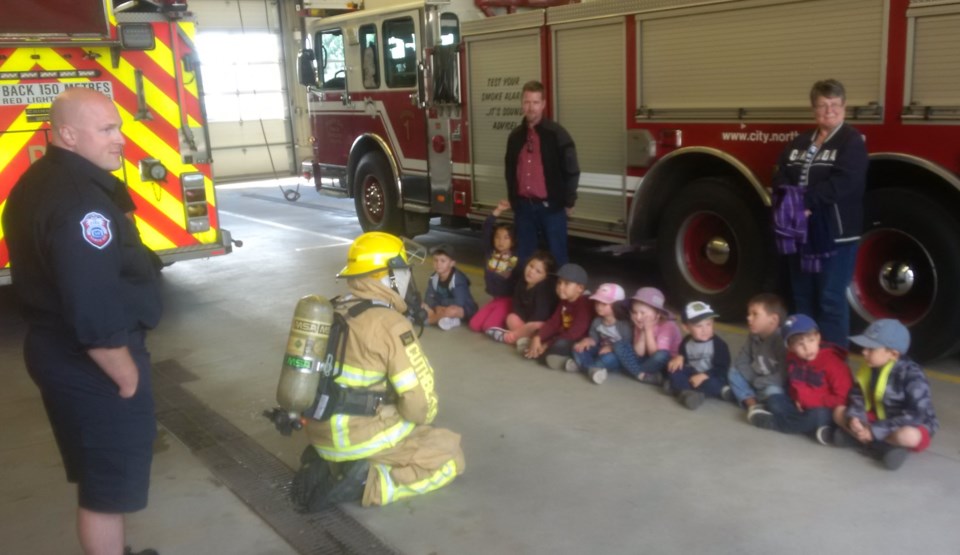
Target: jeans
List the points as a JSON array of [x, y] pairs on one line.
[[635, 364], [823, 296], [680, 381], [789, 420], [533, 220], [562, 347], [743, 390], [589, 358]]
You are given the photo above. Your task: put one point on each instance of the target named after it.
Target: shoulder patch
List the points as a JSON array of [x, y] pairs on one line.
[[96, 229], [407, 338]]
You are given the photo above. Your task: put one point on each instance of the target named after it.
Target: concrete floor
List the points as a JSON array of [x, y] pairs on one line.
[[554, 464]]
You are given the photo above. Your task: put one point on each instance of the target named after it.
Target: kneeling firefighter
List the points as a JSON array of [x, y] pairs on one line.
[[368, 424]]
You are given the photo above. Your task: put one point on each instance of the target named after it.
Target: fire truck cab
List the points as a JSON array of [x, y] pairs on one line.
[[679, 110]]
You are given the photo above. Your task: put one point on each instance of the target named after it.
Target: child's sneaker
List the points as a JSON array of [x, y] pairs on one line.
[[522, 345], [447, 324], [496, 334], [571, 366], [650, 378], [727, 394], [692, 399], [760, 417], [824, 435], [840, 438], [557, 362], [894, 457], [667, 387], [597, 375]]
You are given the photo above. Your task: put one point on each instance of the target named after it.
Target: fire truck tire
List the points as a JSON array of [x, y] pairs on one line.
[[908, 267], [711, 247], [376, 195]]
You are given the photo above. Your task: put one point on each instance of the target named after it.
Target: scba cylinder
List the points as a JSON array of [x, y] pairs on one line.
[[303, 361]]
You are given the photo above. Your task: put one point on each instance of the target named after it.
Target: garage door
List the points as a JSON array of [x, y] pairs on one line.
[[244, 88]]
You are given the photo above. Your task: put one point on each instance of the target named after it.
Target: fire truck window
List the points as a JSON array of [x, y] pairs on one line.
[[369, 57], [449, 29], [332, 66], [399, 53]]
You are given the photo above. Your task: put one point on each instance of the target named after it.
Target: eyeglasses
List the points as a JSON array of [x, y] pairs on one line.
[[829, 106]]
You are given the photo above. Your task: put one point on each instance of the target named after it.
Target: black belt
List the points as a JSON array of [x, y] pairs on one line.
[[361, 402]]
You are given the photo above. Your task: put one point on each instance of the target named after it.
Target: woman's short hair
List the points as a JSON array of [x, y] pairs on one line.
[[828, 88]]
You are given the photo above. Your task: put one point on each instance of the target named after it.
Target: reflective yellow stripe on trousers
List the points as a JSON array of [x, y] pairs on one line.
[[391, 491], [342, 450]]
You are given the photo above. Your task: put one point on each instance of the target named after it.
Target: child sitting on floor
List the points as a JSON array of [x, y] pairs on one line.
[[700, 370], [534, 299], [889, 411], [758, 370], [553, 342], [448, 299], [498, 274], [594, 354], [818, 381], [656, 338]]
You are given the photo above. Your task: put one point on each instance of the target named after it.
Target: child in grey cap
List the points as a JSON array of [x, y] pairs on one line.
[[889, 411], [553, 342]]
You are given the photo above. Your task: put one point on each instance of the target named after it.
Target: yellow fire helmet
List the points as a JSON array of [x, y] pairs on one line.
[[375, 250]]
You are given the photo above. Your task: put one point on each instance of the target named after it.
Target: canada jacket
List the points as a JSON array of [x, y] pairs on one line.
[[837, 178]]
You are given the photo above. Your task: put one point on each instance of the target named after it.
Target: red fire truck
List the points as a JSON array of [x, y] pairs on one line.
[[140, 54], [679, 109]]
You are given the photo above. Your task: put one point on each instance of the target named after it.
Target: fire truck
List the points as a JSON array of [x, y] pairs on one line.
[[679, 110], [142, 55]]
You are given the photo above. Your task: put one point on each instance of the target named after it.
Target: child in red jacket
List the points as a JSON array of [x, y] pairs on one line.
[[818, 380]]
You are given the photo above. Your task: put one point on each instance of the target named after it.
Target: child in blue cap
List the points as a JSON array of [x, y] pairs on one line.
[[889, 411]]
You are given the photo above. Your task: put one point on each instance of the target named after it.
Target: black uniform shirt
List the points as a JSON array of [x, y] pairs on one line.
[[77, 262]]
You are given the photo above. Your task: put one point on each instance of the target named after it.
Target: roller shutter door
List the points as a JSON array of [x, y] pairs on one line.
[[936, 67], [244, 87], [498, 69], [591, 105], [712, 60]]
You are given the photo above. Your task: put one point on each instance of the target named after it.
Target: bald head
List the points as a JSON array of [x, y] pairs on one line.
[[86, 122]]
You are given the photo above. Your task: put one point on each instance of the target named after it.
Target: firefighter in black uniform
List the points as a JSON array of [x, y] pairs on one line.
[[88, 292]]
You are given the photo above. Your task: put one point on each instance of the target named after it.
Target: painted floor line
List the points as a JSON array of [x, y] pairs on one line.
[[287, 227]]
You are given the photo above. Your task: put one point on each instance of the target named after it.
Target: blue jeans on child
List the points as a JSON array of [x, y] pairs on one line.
[[654, 364], [743, 390], [789, 420], [588, 358], [680, 381]]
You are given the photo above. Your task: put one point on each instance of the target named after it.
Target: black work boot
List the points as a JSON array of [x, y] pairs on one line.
[[345, 484], [313, 476]]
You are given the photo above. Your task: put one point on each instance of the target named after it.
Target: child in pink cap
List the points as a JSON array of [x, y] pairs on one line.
[[656, 337], [594, 353]]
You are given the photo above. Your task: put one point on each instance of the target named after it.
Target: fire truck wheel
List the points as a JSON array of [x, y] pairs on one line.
[[711, 247], [908, 267], [376, 195]]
